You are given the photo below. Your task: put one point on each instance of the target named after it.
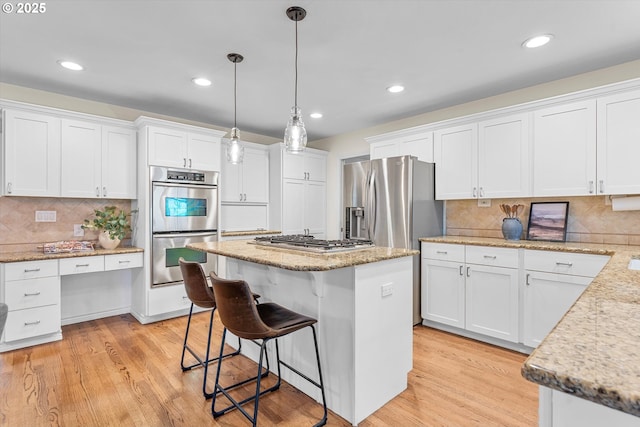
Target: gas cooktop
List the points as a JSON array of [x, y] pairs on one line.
[[308, 243]]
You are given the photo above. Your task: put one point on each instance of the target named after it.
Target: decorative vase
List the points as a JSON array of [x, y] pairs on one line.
[[106, 241], [511, 228]]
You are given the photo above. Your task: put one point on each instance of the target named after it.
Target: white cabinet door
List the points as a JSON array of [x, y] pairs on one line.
[[456, 154], [443, 290], [32, 154], [119, 163], [231, 185], [293, 165], [547, 297], [293, 206], [492, 301], [255, 175], [81, 159], [503, 157], [381, 150], [619, 143], [564, 150], [420, 146], [316, 166], [315, 207], [167, 147], [203, 152]]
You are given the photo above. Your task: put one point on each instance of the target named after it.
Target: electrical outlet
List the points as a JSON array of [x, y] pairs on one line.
[[484, 203], [387, 289], [78, 231]]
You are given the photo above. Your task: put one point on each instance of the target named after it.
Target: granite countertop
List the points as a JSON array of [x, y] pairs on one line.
[[594, 351], [39, 255], [248, 233], [297, 260]]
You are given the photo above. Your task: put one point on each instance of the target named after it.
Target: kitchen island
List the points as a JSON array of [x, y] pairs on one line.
[[362, 300]]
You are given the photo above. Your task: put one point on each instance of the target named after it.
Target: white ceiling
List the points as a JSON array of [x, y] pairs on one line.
[[143, 53]]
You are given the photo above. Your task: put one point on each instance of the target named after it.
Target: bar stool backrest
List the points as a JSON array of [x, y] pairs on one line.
[[195, 283], [237, 309]]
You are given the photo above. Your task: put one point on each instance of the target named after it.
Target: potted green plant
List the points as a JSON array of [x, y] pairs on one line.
[[113, 226]]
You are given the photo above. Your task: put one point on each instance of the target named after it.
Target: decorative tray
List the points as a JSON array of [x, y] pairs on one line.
[[67, 246]]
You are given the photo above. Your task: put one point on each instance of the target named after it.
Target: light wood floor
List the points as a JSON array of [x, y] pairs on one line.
[[117, 372]]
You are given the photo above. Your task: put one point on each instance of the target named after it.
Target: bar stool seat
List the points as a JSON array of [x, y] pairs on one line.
[[201, 295], [266, 322]]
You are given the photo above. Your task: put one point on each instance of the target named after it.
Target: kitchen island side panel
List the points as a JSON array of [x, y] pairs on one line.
[[365, 338]]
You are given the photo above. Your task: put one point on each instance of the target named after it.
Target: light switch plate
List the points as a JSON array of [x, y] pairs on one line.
[[78, 231], [387, 289], [484, 203]]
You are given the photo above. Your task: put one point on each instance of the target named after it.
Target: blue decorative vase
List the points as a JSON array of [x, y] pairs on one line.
[[511, 228]]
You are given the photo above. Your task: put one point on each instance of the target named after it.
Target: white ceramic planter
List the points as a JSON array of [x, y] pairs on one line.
[[107, 242]]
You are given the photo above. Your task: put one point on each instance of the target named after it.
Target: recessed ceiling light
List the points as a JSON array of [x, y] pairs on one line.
[[395, 88], [71, 65], [315, 115], [201, 81], [537, 41]]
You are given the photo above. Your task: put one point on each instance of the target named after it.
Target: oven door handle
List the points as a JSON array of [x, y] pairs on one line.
[[193, 186], [194, 234]]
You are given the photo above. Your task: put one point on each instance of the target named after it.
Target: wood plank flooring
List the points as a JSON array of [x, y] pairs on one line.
[[117, 372]]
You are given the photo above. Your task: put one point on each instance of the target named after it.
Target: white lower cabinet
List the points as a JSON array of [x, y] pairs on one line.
[[473, 288], [166, 299], [553, 282], [479, 289]]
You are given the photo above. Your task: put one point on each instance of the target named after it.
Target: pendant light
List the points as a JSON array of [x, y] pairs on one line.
[[295, 135], [235, 150]]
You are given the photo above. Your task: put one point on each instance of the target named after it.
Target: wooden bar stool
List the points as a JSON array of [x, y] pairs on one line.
[[265, 322], [200, 294]]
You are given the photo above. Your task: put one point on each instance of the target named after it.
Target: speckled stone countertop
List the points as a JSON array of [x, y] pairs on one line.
[[39, 256], [248, 233], [297, 260], [594, 351]]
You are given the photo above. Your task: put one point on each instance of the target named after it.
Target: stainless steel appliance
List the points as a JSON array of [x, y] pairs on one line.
[[184, 210], [307, 243], [392, 202]]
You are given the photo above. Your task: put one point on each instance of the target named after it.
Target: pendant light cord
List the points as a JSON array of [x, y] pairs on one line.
[[235, 93], [295, 103]]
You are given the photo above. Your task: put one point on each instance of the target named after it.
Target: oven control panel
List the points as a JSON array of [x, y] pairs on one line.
[[185, 176]]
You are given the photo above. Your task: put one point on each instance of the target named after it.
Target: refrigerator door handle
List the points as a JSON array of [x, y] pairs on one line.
[[370, 201]]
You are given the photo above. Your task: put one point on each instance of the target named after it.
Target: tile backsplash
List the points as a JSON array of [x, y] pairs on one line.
[[19, 230], [591, 220]]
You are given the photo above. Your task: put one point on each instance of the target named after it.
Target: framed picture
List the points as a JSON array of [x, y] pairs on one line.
[[548, 221]]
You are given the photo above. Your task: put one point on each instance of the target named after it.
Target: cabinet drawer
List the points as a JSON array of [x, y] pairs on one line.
[[122, 261], [587, 265], [21, 294], [78, 265], [32, 322], [487, 255], [166, 299], [443, 251], [30, 269]]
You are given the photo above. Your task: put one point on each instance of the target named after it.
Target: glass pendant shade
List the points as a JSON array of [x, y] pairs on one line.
[[235, 150], [295, 135]]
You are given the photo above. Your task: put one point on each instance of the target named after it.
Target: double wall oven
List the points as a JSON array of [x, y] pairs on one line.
[[184, 210]]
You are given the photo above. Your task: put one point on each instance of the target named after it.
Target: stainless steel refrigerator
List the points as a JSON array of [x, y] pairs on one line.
[[392, 202]]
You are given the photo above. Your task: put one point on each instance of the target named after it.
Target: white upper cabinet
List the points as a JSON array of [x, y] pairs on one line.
[[564, 150], [308, 166], [412, 142], [185, 149], [455, 154], [503, 157], [97, 160], [247, 181], [619, 143], [31, 160]]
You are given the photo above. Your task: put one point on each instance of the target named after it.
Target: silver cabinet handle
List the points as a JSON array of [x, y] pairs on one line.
[[9, 188], [527, 280], [97, 191], [82, 265], [461, 273], [490, 256], [126, 261], [245, 197], [184, 162], [31, 270], [31, 294], [481, 192], [601, 186], [475, 192], [567, 264], [104, 191], [240, 196], [441, 252], [590, 187], [468, 272], [37, 322], [189, 162]]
